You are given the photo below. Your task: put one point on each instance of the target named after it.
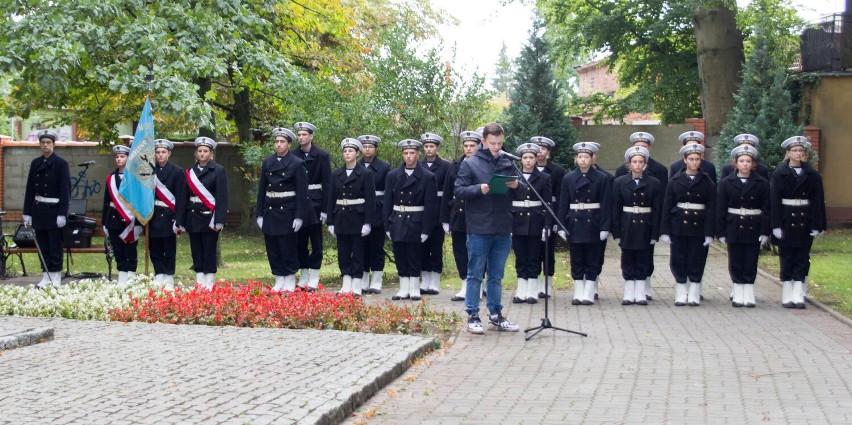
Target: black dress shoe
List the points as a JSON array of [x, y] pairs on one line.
[[693, 304], [543, 295], [626, 302], [518, 300], [749, 305], [397, 298], [415, 298], [679, 304], [789, 305], [433, 292], [596, 296], [800, 306], [701, 297], [532, 300], [642, 302], [648, 297], [456, 298], [587, 302], [736, 304], [575, 302]]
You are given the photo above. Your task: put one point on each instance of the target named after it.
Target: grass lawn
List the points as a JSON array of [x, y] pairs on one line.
[[830, 280], [244, 257]]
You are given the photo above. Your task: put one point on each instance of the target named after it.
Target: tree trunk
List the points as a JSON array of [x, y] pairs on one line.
[[205, 84], [720, 58]]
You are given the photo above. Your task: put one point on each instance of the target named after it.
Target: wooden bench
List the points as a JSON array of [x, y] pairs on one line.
[[6, 252]]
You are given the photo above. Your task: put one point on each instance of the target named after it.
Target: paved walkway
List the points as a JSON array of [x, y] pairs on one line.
[[654, 364]]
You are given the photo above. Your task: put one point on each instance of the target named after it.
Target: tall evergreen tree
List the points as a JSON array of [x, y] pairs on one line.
[[502, 80], [535, 107], [763, 105]]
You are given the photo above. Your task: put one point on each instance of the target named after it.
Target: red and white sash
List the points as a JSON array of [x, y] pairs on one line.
[[202, 193], [131, 232], [164, 194]]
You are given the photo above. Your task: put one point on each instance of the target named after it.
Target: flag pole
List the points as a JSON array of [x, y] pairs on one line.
[[150, 79]]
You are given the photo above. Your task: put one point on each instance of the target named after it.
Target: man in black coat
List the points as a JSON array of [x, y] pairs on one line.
[[46, 201], [488, 217], [433, 248], [452, 211], [169, 201], [556, 173], [652, 169], [374, 243], [318, 164], [206, 210], [690, 138], [757, 167], [282, 209], [410, 210]]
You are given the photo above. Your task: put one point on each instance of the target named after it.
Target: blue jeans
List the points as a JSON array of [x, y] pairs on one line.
[[483, 251]]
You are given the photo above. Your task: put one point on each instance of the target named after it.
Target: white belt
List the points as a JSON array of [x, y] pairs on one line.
[[314, 186], [526, 204], [403, 208], [44, 200], [440, 193], [690, 206], [380, 193], [744, 211], [345, 202], [795, 202], [637, 210], [280, 194], [582, 206], [159, 203], [195, 199]]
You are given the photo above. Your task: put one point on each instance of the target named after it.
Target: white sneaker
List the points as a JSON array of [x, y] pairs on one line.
[[500, 323], [474, 325]]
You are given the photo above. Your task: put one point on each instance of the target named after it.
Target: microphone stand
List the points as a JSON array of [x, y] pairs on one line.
[[80, 176], [545, 321]]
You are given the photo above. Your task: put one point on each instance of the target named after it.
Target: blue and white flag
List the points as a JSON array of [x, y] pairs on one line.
[[137, 188]]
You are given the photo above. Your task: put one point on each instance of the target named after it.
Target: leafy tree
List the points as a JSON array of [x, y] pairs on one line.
[[535, 107], [503, 72], [763, 104]]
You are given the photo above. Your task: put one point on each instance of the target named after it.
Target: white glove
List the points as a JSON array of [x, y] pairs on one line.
[[323, 217], [666, 239], [653, 241], [138, 229], [617, 240], [106, 232], [388, 235], [423, 237], [260, 222], [814, 233], [725, 240], [218, 226], [177, 229], [778, 233], [543, 235], [60, 221], [28, 220], [707, 240], [446, 227], [555, 227], [366, 229], [763, 239], [604, 235], [331, 229], [297, 224], [562, 235]]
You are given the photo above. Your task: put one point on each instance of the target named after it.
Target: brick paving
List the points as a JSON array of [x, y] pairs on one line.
[[654, 364]]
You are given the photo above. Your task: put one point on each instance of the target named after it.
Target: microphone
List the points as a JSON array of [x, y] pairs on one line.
[[508, 155], [86, 164]]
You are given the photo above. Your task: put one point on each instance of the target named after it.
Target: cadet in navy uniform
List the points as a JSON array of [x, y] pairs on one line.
[[556, 173], [452, 211], [433, 248], [374, 242], [637, 201], [757, 167], [280, 213], [797, 215], [530, 222], [688, 223], [742, 217], [689, 138], [410, 209], [206, 210], [118, 220], [46, 201], [351, 205], [318, 164], [169, 201], [652, 169], [585, 208]]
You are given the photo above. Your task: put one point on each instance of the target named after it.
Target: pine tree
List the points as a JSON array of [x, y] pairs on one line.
[[763, 106], [503, 69], [535, 107]]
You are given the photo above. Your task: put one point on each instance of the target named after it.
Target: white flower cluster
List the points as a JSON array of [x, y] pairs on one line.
[[87, 299]]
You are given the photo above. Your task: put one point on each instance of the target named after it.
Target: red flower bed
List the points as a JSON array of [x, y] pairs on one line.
[[253, 304]]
